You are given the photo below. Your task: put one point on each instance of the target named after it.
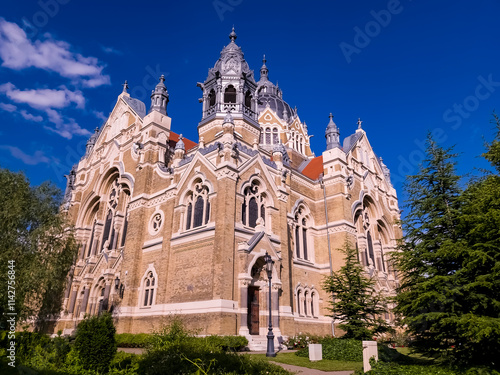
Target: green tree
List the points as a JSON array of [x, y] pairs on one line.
[[449, 261], [357, 303], [95, 342], [35, 239]]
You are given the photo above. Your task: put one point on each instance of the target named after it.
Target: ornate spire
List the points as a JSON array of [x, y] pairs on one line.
[[125, 86], [180, 144], [233, 36], [159, 97], [263, 70], [332, 134]]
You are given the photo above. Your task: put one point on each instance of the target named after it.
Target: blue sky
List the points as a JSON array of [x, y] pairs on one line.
[[404, 67]]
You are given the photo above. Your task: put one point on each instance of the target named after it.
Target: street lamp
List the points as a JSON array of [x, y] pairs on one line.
[[270, 335]]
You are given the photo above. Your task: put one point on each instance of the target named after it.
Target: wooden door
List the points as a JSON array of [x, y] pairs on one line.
[[253, 310]]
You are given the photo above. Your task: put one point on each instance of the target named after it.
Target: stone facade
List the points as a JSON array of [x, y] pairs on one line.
[[167, 226]]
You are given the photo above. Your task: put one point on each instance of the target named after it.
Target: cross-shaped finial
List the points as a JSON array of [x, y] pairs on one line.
[[180, 137], [264, 60], [162, 78], [359, 123], [125, 86]]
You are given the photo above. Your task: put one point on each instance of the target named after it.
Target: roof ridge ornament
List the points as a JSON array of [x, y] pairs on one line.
[[180, 144], [125, 86], [233, 36], [359, 123]]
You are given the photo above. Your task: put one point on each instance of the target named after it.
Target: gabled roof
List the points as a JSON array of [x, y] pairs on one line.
[[314, 168]]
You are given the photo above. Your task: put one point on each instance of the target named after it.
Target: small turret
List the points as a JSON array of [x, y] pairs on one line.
[[332, 134], [159, 97]]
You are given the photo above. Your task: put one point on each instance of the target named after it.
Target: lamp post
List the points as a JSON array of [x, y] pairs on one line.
[[270, 335]]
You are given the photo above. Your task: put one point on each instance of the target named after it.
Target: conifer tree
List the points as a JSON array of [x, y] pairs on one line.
[[356, 302]]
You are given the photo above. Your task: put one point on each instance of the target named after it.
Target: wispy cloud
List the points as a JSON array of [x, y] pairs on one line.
[[111, 50], [8, 107], [65, 127], [30, 117], [99, 115], [44, 98], [18, 52], [37, 158]]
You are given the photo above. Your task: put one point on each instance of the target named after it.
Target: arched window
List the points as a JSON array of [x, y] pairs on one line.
[[101, 302], [211, 98], [306, 301], [302, 250], [299, 302], [253, 205], [275, 136], [149, 289], [198, 206], [371, 254], [268, 136], [248, 99], [230, 94]]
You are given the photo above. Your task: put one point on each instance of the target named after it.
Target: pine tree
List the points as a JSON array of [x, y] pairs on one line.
[[428, 256], [357, 303]]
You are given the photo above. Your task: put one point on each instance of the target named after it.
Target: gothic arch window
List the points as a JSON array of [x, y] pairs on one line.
[[300, 305], [248, 99], [254, 204], [230, 94], [275, 136], [100, 302], [268, 136], [371, 254], [306, 302], [198, 205], [314, 304], [302, 234], [211, 98], [148, 289]]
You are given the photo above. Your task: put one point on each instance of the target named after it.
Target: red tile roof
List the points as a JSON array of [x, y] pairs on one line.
[[187, 142], [314, 168]]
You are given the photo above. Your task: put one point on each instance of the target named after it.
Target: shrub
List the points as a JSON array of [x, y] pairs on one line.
[[130, 340], [391, 368], [95, 342], [338, 349], [227, 343]]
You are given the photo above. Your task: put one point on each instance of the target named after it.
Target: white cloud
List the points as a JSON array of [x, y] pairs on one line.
[[111, 50], [99, 115], [65, 127], [8, 107], [18, 52], [44, 98], [30, 117], [37, 158]]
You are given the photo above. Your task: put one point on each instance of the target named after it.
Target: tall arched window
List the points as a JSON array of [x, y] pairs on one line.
[[198, 206], [302, 250], [371, 254], [149, 289], [230, 94], [253, 205], [211, 98], [299, 303], [268, 136], [275, 136], [248, 99]]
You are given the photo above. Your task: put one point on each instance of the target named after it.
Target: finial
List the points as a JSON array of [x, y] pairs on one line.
[[162, 78], [181, 136], [359, 123], [96, 130], [125, 86], [233, 35], [264, 60], [331, 116], [180, 143]]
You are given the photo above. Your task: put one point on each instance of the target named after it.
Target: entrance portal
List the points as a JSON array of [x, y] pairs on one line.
[[253, 310]]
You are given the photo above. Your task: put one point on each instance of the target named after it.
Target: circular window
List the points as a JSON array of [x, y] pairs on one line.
[[155, 223]]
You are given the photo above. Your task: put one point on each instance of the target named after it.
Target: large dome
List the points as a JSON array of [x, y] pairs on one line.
[[276, 103]]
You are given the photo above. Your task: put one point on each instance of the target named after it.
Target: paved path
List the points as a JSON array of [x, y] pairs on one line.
[[309, 371]]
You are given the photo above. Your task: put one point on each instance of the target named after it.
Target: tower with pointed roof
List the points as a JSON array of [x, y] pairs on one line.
[[170, 226]]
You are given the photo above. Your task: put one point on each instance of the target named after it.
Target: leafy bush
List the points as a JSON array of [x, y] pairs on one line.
[[338, 349], [391, 368], [227, 343], [130, 340], [95, 342], [174, 350]]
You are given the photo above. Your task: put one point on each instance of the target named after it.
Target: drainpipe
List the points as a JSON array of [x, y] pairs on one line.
[[329, 247]]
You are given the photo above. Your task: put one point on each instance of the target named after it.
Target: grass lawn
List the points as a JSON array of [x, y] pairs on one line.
[[324, 365]]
